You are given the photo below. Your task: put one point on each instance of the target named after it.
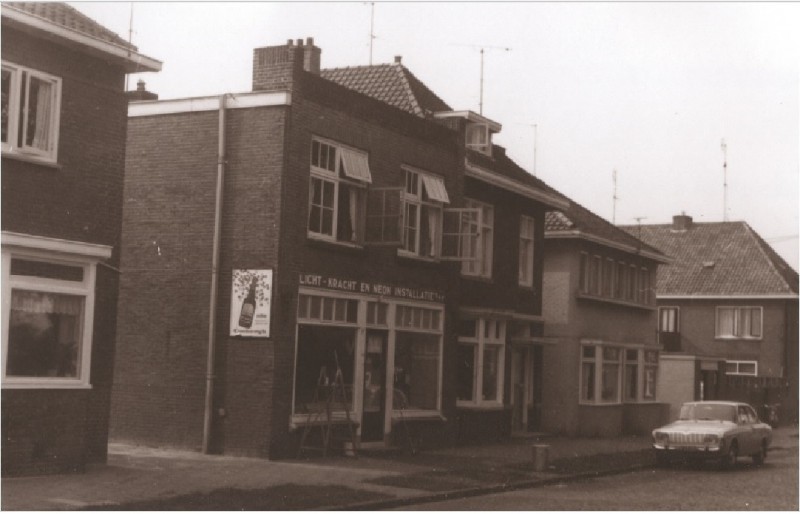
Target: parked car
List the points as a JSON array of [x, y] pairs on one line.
[[714, 430]]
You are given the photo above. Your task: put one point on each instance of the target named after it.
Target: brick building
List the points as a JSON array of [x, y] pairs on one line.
[[63, 148], [728, 313], [364, 225], [599, 282]]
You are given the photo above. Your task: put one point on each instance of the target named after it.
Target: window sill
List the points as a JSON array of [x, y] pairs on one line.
[[588, 404], [478, 278], [729, 339], [33, 159], [485, 407], [614, 301], [406, 255], [45, 385], [398, 416], [527, 288], [330, 244]]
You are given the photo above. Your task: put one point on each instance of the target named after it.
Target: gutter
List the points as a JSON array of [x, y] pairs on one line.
[[212, 308]]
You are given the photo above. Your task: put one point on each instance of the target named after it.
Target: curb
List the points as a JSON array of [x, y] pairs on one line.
[[479, 491]]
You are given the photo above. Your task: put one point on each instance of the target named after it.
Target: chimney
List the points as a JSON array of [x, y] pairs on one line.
[[274, 67], [398, 59], [141, 93], [681, 222]]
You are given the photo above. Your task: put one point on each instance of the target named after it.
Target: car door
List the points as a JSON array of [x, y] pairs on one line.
[[747, 437]]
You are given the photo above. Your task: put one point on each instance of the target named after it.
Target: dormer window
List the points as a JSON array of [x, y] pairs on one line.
[[478, 138]]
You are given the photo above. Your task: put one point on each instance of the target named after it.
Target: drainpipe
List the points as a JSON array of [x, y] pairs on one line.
[[212, 308]]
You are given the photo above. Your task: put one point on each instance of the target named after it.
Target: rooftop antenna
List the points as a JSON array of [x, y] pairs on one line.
[[725, 180], [371, 30], [130, 41], [614, 197], [639, 231], [483, 49], [535, 134]]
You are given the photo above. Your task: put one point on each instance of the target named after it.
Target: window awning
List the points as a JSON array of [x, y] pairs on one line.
[[434, 186], [356, 165]]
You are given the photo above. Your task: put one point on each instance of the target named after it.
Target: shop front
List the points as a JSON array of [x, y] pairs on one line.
[[381, 344]]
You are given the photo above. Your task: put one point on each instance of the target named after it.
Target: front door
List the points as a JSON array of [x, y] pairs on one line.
[[374, 406]]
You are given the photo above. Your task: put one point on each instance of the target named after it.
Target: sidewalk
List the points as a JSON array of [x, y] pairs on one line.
[[138, 478]]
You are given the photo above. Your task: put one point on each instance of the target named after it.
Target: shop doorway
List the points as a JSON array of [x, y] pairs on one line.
[[524, 417], [374, 404]]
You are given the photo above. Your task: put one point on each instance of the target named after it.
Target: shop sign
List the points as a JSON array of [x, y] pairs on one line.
[[251, 296], [374, 288]]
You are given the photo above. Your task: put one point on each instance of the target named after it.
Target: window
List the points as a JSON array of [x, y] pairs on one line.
[[319, 350], [611, 374], [478, 138], [622, 280], [526, 228], [481, 354], [644, 286], [739, 322], [608, 278], [48, 316], [741, 368], [422, 221], [633, 285], [417, 358], [595, 275], [668, 319], [324, 309], [481, 266], [31, 107], [339, 176], [583, 278]]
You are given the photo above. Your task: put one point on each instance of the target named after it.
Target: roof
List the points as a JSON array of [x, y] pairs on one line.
[[390, 83], [57, 19], [718, 259], [578, 221]]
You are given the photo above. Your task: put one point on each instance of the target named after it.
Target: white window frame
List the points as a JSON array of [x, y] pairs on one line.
[[417, 197], [488, 333], [527, 231], [481, 266], [20, 77], [738, 322], [676, 321], [738, 366], [598, 360], [59, 252], [337, 178], [479, 138]]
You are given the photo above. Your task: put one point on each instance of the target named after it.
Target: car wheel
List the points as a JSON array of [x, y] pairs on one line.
[[761, 456], [729, 460]]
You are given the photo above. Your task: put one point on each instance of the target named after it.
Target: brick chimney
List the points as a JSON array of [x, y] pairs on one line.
[[681, 222], [141, 93], [274, 67]]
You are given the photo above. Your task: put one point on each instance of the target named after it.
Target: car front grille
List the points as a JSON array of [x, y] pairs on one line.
[[686, 438]]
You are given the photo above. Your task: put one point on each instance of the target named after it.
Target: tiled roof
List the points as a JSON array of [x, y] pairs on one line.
[[578, 218], [390, 83], [718, 259], [68, 17]]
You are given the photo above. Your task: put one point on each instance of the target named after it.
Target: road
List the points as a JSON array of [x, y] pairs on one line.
[[773, 486]]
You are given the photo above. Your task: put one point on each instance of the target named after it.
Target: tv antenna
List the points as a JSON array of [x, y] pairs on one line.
[[371, 30], [483, 49], [724, 147], [639, 229], [614, 198], [130, 41]]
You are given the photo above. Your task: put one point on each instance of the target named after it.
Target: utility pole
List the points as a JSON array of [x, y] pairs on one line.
[[614, 198], [724, 180]]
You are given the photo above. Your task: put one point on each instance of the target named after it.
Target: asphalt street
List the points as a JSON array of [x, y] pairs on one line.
[[773, 486]]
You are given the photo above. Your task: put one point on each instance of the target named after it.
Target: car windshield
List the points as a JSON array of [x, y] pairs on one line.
[[708, 412]]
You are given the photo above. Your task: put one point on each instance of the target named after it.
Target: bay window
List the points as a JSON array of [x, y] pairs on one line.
[[339, 176], [48, 312], [612, 374], [738, 322], [30, 112], [481, 357]]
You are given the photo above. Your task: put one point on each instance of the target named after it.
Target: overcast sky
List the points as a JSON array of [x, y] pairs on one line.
[[648, 89]]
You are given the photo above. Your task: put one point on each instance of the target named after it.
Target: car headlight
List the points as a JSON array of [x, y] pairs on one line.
[[711, 439]]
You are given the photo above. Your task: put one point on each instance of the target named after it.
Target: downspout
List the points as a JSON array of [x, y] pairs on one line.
[[212, 308]]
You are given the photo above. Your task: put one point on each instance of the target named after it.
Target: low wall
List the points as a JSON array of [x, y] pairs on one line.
[[642, 418]]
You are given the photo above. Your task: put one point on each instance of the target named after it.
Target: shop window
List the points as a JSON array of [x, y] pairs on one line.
[[48, 317], [481, 354], [739, 322], [526, 228], [417, 362], [418, 318], [325, 309], [376, 313], [337, 195], [741, 368], [483, 225], [31, 108], [319, 350]]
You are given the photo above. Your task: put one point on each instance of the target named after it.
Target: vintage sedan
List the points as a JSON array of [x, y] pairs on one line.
[[718, 430]]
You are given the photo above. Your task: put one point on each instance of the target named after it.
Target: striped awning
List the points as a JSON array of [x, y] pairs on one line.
[[356, 165], [434, 186]]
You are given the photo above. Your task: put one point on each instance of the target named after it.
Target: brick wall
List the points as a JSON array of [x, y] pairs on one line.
[[81, 199]]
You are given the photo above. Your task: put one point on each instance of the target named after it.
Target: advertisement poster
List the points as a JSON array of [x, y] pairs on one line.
[[251, 297]]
